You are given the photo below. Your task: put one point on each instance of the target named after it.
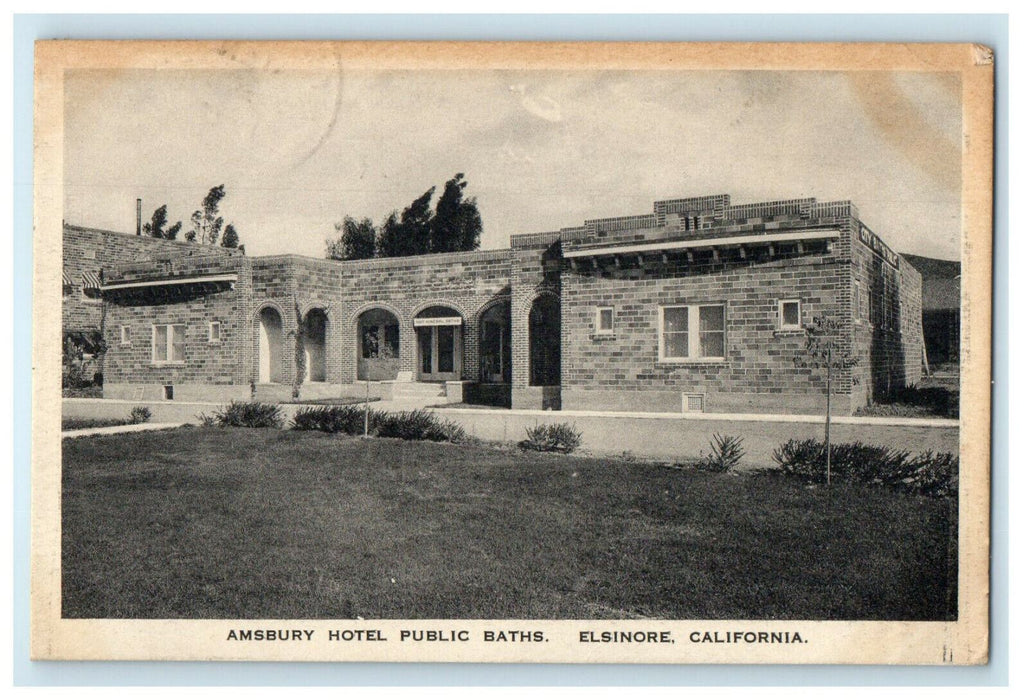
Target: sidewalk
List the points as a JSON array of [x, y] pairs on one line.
[[115, 429]]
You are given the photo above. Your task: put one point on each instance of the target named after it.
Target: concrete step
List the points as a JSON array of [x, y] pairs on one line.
[[419, 389]]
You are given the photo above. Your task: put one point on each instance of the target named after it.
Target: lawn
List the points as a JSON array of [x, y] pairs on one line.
[[247, 523], [83, 423]]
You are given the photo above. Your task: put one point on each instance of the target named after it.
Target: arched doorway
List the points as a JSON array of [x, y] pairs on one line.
[[315, 324], [495, 344], [545, 341], [378, 345], [439, 344], [269, 347]]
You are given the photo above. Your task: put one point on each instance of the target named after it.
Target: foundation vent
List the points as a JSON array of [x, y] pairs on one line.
[[692, 403]]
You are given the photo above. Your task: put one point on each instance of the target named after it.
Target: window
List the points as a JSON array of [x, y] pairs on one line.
[[169, 344], [605, 321], [692, 332], [214, 332], [126, 338], [789, 315]]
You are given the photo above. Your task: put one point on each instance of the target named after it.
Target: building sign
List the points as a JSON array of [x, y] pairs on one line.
[[875, 243], [438, 321]]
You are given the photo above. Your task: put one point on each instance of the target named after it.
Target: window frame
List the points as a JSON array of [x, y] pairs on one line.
[[693, 333], [169, 344], [125, 335], [799, 325], [211, 339], [598, 327]]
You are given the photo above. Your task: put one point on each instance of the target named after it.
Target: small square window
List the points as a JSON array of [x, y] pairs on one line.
[[605, 321], [214, 332], [126, 337], [789, 315]]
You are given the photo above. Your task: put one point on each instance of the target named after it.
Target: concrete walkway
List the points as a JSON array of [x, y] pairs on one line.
[[115, 429], [651, 435]]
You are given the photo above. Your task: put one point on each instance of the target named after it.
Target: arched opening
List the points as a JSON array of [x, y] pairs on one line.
[[439, 343], [269, 347], [315, 324], [495, 344], [378, 345], [545, 342]]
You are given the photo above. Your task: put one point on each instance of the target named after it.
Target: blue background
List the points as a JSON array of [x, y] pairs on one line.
[[991, 30]]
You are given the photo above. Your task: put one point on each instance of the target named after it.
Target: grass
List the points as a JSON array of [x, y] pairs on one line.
[[249, 523], [83, 423]]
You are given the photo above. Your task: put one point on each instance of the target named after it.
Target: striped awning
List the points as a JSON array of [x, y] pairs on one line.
[[65, 279], [91, 280]]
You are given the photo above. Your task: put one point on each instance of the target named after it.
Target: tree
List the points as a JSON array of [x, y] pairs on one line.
[[827, 349], [356, 240], [207, 225], [415, 223], [456, 225], [173, 231], [156, 226], [231, 238], [389, 241]]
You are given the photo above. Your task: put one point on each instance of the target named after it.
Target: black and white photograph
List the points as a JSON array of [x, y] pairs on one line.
[[527, 352]]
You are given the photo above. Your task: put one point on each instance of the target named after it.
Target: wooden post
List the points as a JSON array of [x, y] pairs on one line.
[[828, 408], [367, 403]]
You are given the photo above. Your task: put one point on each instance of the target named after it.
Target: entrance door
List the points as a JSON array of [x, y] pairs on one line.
[[439, 353]]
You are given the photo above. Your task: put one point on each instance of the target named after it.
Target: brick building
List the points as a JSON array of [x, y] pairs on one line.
[[699, 305]]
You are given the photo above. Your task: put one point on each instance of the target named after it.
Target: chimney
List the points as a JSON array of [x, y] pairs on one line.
[[139, 216]]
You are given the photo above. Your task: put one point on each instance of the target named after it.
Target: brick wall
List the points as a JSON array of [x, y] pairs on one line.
[[466, 282], [758, 373], [209, 370], [535, 272], [887, 325], [92, 250], [878, 304]]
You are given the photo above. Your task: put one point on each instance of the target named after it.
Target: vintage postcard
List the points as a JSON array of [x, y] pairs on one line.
[[656, 353]]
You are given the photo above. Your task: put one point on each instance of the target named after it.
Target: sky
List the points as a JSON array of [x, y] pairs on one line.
[[541, 150]]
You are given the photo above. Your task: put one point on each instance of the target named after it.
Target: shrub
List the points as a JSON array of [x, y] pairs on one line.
[[248, 414], [331, 419], [139, 414], [552, 437], [406, 425], [932, 474], [929, 473], [726, 453], [206, 420], [417, 425]]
